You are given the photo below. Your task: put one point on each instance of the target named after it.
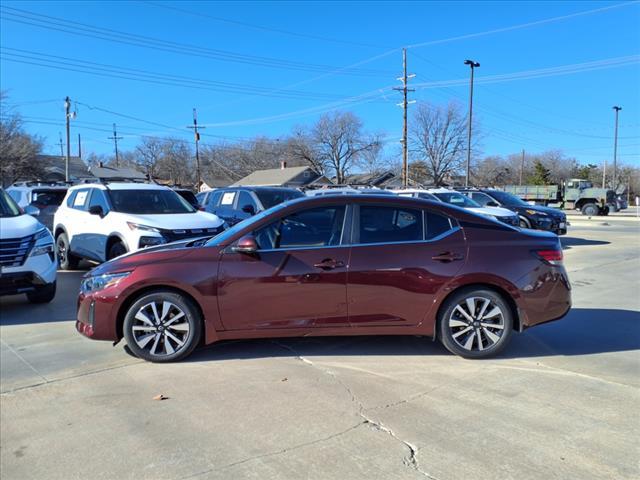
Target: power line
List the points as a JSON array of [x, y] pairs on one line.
[[82, 29], [263, 28]]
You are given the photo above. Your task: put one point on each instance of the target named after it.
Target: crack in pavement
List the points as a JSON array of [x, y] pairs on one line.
[[21, 358], [412, 460]]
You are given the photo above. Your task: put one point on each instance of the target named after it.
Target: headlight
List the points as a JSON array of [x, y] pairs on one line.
[[99, 282], [536, 212], [43, 243], [146, 228]]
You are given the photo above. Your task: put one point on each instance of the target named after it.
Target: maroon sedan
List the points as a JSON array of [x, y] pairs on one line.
[[335, 265]]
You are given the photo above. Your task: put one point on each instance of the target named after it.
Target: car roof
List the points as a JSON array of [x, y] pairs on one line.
[[257, 188], [120, 186], [441, 190]]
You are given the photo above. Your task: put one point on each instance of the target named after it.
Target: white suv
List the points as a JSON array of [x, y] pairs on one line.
[[27, 257], [103, 221]]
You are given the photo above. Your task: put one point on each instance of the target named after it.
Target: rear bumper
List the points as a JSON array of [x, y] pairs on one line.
[[545, 296]]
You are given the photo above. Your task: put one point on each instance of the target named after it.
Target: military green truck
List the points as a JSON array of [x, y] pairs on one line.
[[574, 194]]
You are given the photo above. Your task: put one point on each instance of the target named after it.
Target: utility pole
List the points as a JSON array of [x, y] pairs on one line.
[[196, 135], [473, 66], [405, 105], [115, 139], [615, 150], [61, 143], [522, 167], [79, 147], [67, 110]]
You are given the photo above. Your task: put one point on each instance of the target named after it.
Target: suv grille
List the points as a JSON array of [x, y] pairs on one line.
[[184, 234], [14, 251]]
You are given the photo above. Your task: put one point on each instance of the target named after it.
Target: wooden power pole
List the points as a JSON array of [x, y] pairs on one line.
[[405, 104]]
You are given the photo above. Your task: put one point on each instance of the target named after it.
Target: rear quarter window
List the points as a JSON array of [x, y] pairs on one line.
[[436, 225]]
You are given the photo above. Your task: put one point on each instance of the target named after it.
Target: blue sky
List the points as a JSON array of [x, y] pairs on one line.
[[550, 71]]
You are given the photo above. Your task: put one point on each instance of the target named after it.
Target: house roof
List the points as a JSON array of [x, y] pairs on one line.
[[109, 173], [374, 179], [274, 176], [56, 164]]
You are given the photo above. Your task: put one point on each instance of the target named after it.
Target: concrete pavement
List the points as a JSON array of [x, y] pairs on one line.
[[562, 402]]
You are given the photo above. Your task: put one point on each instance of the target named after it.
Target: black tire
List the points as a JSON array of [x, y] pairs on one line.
[[524, 223], [43, 294], [66, 259], [455, 330], [115, 250], [605, 211], [590, 209], [156, 342]]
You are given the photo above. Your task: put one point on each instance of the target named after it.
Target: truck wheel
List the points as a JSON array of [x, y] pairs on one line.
[[66, 259], [43, 294], [590, 209]]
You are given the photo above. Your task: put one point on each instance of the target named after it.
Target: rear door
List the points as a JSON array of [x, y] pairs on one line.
[[296, 280], [400, 259], [98, 228], [78, 224]]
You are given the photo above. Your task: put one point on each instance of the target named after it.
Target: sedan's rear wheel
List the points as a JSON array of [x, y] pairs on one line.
[[162, 327], [475, 323]]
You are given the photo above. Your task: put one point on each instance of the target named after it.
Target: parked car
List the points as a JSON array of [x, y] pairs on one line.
[[459, 200], [42, 198], [530, 216], [333, 265], [202, 198], [234, 204], [27, 257], [100, 222]]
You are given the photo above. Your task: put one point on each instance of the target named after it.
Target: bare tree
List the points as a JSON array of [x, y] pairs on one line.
[[149, 154], [438, 138], [176, 163], [301, 149], [340, 142], [18, 149]]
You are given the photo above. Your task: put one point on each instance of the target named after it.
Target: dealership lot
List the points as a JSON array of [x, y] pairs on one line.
[[562, 402]]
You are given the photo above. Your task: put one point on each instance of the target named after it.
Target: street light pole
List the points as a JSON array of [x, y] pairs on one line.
[[473, 66], [615, 149]]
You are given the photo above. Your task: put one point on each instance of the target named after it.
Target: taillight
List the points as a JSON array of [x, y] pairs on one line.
[[202, 209], [554, 257]]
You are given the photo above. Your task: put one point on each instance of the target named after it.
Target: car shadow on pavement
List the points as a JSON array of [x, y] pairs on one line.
[[584, 331], [568, 242]]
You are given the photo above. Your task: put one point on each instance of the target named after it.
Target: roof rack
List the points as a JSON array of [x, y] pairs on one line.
[[41, 183]]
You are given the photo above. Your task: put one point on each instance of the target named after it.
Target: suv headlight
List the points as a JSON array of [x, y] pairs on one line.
[[145, 228], [43, 243], [100, 282], [536, 212]]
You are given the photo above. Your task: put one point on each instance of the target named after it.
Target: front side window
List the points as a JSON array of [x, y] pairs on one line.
[[98, 199], [481, 198], [149, 202], [246, 202], [316, 227], [390, 224]]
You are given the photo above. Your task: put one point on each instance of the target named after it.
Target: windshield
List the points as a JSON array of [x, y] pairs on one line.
[[508, 199], [149, 202], [221, 238], [457, 199], [271, 198], [8, 207]]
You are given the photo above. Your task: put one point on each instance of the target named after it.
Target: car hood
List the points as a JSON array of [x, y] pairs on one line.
[[18, 227], [169, 252], [492, 211], [179, 221]]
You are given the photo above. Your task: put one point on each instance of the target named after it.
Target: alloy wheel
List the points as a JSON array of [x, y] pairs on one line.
[[161, 328], [476, 323], [62, 253]]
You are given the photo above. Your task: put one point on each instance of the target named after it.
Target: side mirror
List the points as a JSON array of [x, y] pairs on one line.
[[96, 210], [250, 209], [492, 204], [247, 245], [31, 210]]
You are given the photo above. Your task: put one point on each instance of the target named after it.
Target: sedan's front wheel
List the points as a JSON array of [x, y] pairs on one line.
[[162, 326], [475, 323]]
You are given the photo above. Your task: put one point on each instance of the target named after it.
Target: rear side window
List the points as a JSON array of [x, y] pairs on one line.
[[80, 199], [71, 199], [390, 224], [436, 225], [214, 199]]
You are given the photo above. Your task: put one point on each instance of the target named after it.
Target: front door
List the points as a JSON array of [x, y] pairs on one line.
[[400, 259], [297, 279]]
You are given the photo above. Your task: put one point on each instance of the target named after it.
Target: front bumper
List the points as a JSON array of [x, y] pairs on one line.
[[36, 272], [557, 225], [96, 316]]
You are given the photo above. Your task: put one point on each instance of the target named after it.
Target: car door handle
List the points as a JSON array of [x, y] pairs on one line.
[[329, 264], [447, 257]]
